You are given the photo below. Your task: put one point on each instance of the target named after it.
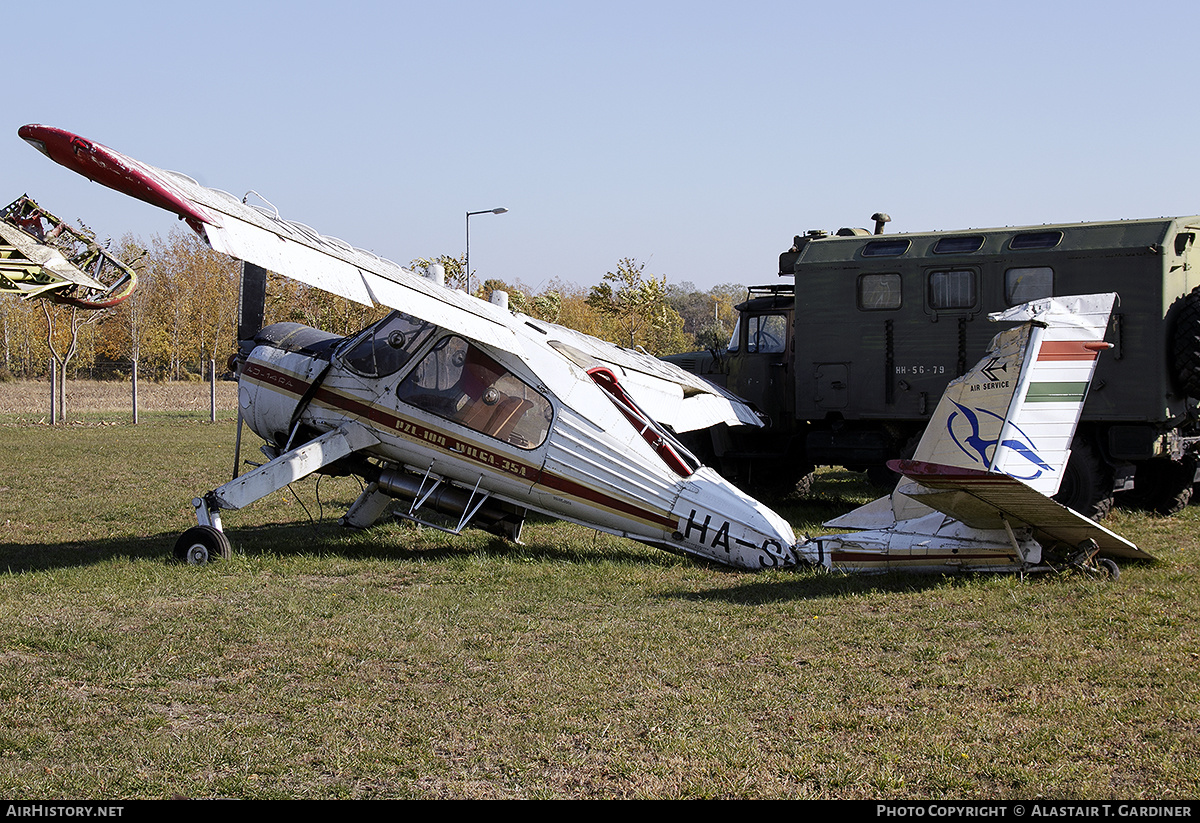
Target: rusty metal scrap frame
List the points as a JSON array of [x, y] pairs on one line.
[[42, 256]]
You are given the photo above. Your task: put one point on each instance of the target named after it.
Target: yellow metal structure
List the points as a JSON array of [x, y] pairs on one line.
[[41, 256]]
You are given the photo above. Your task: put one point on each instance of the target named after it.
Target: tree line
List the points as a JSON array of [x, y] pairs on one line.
[[184, 313]]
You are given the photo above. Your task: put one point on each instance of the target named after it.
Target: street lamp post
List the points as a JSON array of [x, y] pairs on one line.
[[468, 259]]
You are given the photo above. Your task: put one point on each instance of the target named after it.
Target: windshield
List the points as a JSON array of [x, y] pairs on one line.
[[767, 333], [387, 346]]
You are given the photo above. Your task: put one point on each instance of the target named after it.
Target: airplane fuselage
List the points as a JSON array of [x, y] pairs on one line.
[[437, 418]]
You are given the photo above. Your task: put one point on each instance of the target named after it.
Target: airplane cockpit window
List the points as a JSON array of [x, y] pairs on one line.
[[387, 346], [460, 382]]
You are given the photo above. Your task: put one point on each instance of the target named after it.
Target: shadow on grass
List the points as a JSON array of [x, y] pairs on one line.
[[388, 541], [808, 584], [816, 585]]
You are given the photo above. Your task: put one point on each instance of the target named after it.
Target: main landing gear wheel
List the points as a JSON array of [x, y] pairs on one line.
[[1086, 562], [200, 544]]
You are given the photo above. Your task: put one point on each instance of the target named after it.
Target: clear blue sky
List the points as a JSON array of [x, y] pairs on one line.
[[696, 137]]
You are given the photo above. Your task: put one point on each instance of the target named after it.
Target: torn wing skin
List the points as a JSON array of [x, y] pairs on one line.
[[42, 256]]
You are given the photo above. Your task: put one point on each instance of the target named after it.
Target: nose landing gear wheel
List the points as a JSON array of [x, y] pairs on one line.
[[200, 544]]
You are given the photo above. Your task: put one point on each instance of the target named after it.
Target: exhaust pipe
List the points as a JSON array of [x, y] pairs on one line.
[[452, 501]]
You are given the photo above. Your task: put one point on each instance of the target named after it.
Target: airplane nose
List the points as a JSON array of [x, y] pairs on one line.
[[718, 521]]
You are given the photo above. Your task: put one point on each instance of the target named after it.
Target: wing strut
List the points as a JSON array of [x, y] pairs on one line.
[[276, 474]]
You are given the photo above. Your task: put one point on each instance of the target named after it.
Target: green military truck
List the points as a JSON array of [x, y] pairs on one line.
[[848, 357]]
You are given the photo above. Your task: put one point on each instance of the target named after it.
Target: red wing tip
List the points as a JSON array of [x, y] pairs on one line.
[[110, 168], [36, 131]]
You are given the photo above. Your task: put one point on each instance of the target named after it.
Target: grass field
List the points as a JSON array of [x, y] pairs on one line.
[[321, 663]]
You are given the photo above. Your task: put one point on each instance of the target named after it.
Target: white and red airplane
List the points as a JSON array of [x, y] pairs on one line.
[[457, 405]]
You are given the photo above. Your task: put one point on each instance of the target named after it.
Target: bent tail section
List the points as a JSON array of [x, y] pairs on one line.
[[1016, 411]]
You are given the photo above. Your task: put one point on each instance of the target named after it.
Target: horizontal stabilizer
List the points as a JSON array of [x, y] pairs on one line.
[[986, 500]]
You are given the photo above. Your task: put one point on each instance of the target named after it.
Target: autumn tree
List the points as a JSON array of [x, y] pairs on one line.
[[184, 311], [637, 309], [130, 333], [22, 333], [65, 333], [453, 268], [545, 306], [708, 316]]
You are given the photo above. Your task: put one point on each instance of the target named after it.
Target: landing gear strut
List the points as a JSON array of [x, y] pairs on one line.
[[1086, 562]]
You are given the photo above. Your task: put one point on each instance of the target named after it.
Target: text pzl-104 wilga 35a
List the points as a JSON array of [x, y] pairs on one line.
[[458, 405]]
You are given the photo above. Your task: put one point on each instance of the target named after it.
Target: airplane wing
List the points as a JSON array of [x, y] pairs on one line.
[[667, 393], [42, 256], [260, 236], [28, 257], [984, 500]]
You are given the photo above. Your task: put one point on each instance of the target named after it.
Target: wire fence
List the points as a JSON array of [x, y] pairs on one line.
[[123, 398]]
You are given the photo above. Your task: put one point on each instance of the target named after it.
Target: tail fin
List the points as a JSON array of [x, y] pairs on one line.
[[1016, 412]]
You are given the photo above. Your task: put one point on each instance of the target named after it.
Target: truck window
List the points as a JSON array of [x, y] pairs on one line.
[[735, 339], [1036, 240], [768, 333], [958, 245], [952, 289], [885, 248], [879, 292], [1028, 283]]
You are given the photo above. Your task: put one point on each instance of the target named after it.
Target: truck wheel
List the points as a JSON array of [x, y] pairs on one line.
[[804, 485], [881, 477], [1185, 345], [1162, 485], [1087, 484], [778, 479], [884, 478]]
